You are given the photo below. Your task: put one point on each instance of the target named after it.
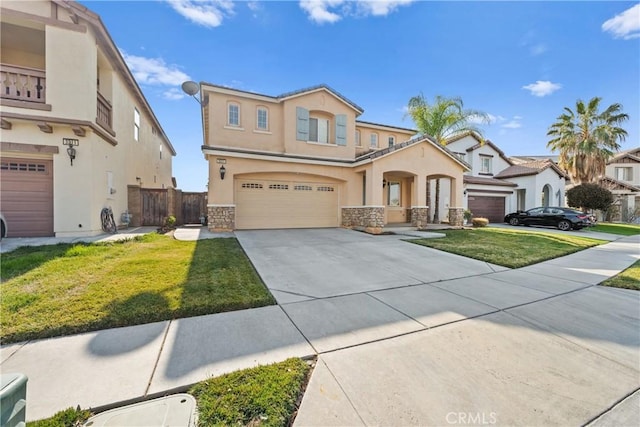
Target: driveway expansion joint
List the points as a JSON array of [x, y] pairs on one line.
[[155, 365]]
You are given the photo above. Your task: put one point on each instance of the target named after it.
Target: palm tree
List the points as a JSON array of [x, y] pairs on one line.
[[587, 139], [442, 120]]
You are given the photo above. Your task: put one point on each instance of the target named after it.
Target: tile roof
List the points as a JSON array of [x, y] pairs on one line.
[[530, 168], [470, 179], [321, 86], [616, 183], [386, 126]]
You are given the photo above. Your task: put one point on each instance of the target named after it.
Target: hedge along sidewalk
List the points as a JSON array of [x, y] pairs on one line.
[[508, 248], [63, 289]]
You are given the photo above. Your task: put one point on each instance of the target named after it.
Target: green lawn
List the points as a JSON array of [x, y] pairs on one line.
[[262, 396], [627, 279], [622, 229], [509, 248], [63, 289]]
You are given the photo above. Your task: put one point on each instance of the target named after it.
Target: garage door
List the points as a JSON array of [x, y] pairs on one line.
[[487, 207], [285, 204], [26, 197]]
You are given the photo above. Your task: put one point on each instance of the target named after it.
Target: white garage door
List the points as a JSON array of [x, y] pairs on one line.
[[285, 204]]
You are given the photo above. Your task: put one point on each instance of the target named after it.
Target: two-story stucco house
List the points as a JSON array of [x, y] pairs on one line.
[[302, 159], [623, 180], [76, 128], [496, 185]]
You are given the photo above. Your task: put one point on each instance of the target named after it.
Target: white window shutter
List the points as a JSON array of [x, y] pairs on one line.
[[302, 124]]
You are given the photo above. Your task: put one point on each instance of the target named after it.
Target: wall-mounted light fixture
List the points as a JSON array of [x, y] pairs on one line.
[[192, 88], [70, 150], [223, 171], [465, 192], [384, 183]]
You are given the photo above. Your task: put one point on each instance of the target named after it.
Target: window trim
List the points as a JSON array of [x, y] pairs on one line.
[[489, 169], [393, 184], [317, 120], [391, 140], [358, 138], [260, 108], [627, 173], [371, 137], [237, 105]]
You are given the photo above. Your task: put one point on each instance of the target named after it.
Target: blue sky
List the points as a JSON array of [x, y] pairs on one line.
[[520, 62]]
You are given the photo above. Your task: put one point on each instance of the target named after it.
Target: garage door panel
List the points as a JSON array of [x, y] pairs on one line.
[[26, 197], [490, 207], [285, 204]]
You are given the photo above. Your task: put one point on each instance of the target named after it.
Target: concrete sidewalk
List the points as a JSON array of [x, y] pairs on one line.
[[538, 345]]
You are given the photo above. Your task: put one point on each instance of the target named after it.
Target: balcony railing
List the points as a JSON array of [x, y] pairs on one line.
[[22, 83], [103, 115]]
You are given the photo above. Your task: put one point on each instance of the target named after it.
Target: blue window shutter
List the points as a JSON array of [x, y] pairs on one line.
[[302, 124], [341, 129]]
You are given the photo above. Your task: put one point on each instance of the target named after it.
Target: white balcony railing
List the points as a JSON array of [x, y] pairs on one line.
[[22, 83]]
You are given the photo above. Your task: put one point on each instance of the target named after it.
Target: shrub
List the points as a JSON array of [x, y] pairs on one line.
[[589, 196], [467, 215], [171, 221], [480, 222]]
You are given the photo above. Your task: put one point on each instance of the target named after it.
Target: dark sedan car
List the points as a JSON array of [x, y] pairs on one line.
[[563, 218]]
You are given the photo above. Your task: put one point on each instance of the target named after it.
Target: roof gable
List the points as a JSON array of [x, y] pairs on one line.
[[613, 184], [325, 88], [530, 168]]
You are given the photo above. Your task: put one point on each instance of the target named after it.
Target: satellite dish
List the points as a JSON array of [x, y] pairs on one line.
[[190, 88]]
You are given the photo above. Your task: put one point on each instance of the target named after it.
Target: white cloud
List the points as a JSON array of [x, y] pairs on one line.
[[173, 94], [330, 11], [542, 88], [512, 124], [491, 119], [208, 13], [537, 49], [625, 25], [517, 117], [155, 72], [254, 7]]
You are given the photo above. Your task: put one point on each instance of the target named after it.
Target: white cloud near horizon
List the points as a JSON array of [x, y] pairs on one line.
[[155, 72], [512, 124], [331, 11], [542, 88], [625, 25], [208, 13]]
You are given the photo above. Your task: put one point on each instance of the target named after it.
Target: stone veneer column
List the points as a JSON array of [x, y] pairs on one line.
[[419, 216], [366, 218], [221, 217], [456, 217]]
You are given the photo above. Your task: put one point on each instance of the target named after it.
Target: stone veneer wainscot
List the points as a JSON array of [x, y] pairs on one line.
[[366, 218], [221, 217]]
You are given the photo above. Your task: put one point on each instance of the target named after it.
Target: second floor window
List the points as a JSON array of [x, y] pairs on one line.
[[392, 141], [262, 119], [319, 130], [374, 140], [233, 117], [485, 164], [624, 174], [136, 124], [358, 143]]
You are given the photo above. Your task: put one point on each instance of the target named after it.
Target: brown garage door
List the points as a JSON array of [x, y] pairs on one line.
[[264, 203], [487, 207], [26, 197]]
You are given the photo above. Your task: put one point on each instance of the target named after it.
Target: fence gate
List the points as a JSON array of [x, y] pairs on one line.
[[194, 205], [154, 206]]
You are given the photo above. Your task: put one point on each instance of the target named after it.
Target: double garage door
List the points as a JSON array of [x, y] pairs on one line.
[[264, 203], [487, 207], [26, 196]]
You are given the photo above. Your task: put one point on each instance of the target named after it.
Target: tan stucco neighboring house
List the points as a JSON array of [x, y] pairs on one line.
[[302, 159], [63, 81]]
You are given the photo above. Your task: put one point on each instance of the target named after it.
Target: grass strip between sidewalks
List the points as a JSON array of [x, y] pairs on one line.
[[621, 229], [508, 248], [627, 279], [265, 395], [63, 289]]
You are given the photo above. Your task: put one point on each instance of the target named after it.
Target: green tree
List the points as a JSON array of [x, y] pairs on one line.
[[589, 196], [442, 120], [587, 138]]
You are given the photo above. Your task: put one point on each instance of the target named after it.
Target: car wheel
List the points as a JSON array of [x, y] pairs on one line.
[[514, 221], [564, 225]]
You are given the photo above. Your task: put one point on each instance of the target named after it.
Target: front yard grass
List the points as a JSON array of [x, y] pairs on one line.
[[63, 289], [261, 396], [622, 229], [627, 279], [508, 248]]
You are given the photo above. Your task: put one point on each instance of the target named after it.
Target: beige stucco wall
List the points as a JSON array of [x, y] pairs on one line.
[[383, 137], [81, 191]]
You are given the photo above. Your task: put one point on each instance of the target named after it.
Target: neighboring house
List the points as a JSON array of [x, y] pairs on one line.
[[497, 185], [623, 180], [63, 81], [302, 159]]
